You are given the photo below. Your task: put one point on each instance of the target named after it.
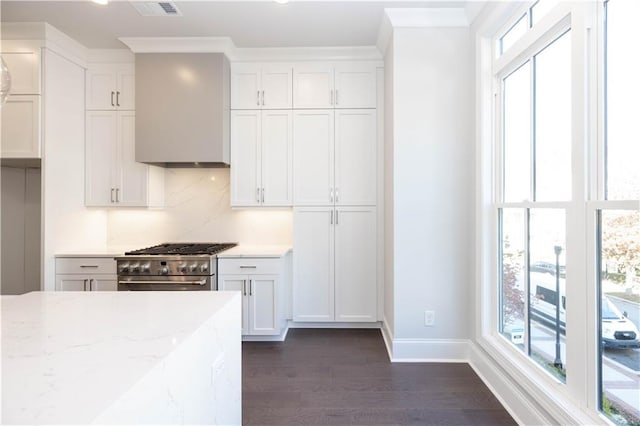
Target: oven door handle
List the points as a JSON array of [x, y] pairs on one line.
[[199, 282]]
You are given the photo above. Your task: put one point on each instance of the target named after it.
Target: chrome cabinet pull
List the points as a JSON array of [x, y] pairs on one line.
[[91, 284], [117, 195], [263, 195], [258, 195], [258, 98], [85, 285], [244, 287], [88, 266], [331, 220], [337, 194], [331, 194], [112, 104], [250, 287], [112, 195], [263, 98], [337, 211], [336, 96], [247, 267], [118, 98]]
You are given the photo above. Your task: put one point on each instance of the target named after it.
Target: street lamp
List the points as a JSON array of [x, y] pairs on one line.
[[558, 361]]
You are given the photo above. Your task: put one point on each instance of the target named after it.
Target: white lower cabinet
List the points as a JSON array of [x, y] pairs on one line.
[[86, 274], [334, 267], [260, 292]]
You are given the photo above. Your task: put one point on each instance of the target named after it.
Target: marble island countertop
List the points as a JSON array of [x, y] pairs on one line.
[[121, 357]]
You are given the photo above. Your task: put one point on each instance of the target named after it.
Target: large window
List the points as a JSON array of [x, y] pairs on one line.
[[619, 229], [536, 185], [566, 202]]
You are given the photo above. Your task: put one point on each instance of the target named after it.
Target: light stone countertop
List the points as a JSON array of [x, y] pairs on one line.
[[244, 250], [113, 357]]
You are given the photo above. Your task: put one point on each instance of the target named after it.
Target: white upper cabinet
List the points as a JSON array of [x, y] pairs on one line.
[[25, 70], [261, 158], [313, 157], [335, 166], [110, 87], [21, 114], [113, 177], [345, 85], [355, 157], [261, 86], [21, 127], [313, 86], [355, 86]]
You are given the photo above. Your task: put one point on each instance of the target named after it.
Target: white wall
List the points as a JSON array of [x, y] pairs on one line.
[[432, 181], [67, 224], [197, 209], [388, 188]]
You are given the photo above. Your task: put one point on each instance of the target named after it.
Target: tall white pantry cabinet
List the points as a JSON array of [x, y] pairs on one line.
[[335, 193], [304, 135]]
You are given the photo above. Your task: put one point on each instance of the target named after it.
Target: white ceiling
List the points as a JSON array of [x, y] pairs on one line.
[[300, 23]]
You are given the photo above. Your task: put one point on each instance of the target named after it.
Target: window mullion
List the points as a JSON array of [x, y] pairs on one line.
[[532, 183]]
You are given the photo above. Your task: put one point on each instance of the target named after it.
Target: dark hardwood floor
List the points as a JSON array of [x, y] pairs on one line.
[[344, 377]]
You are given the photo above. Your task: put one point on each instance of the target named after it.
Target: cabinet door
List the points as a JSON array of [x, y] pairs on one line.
[[245, 86], [103, 283], [263, 307], [313, 86], [101, 83], [72, 283], [238, 283], [132, 177], [313, 290], [245, 151], [355, 264], [101, 154], [313, 157], [21, 127], [277, 87], [355, 157], [355, 86], [276, 155], [126, 87], [24, 68]]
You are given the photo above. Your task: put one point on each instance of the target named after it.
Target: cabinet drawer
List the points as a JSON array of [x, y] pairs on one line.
[[249, 266], [85, 265]]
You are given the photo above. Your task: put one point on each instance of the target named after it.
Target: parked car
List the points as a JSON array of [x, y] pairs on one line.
[[548, 267]]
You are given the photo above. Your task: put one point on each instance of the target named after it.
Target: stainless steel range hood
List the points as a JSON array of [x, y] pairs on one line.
[[182, 109]]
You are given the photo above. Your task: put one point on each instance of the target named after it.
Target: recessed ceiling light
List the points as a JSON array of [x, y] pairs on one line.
[[281, 1], [102, 2]]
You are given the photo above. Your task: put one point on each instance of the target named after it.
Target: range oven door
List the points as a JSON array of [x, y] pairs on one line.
[[166, 283]]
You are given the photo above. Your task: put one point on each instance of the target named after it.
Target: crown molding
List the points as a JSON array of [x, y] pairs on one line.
[[179, 44]]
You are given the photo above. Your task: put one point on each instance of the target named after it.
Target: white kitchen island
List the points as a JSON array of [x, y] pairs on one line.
[[121, 358]]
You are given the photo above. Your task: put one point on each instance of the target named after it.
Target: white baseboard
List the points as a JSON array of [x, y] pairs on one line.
[[387, 337], [294, 324], [430, 350], [279, 338], [505, 390]]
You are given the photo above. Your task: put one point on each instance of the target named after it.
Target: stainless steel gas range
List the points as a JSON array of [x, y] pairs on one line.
[[171, 267]]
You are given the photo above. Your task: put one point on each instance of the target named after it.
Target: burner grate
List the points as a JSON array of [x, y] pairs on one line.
[[187, 249]]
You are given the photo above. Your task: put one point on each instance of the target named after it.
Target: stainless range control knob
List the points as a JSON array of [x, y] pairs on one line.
[[193, 267], [182, 268], [204, 267], [124, 267], [135, 267], [145, 267], [164, 270]]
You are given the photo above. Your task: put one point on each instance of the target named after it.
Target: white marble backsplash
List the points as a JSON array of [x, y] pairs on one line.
[[197, 208]]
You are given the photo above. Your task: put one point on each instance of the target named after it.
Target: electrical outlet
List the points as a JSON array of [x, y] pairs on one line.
[[429, 318]]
